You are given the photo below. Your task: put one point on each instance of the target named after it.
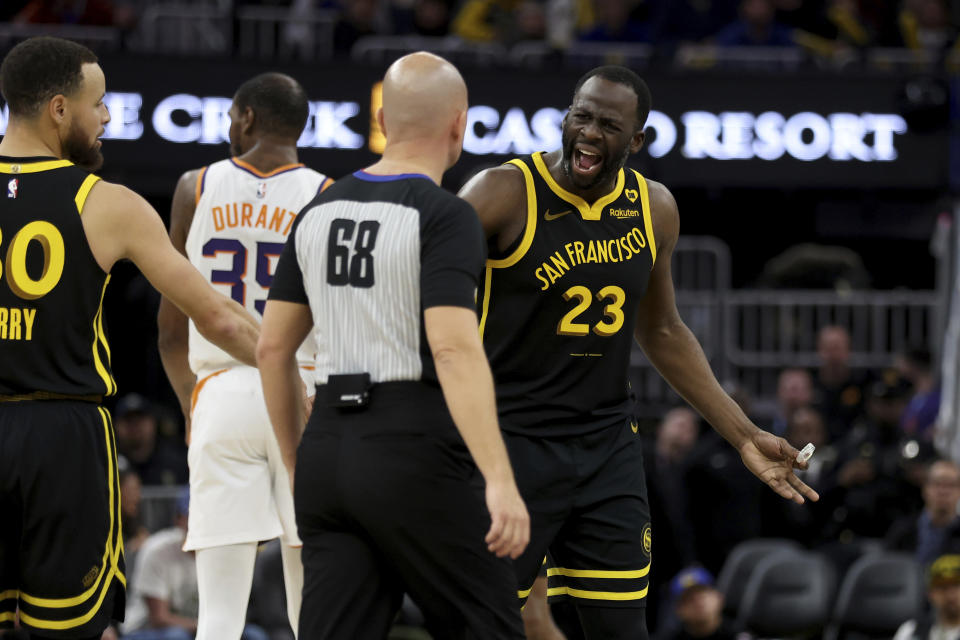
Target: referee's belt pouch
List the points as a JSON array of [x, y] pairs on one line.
[[350, 391]]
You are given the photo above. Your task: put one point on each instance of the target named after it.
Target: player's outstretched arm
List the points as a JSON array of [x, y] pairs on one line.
[[673, 349], [120, 224], [285, 326], [467, 384], [173, 335]]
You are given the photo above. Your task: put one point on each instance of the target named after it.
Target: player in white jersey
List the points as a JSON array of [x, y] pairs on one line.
[[231, 220]]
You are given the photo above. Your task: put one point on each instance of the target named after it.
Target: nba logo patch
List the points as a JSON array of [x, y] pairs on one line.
[[262, 190], [12, 187]]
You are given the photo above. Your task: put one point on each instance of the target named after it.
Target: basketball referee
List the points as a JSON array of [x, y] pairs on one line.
[[61, 230], [383, 267]]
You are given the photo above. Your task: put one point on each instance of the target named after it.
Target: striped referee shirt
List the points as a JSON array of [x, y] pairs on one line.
[[369, 255]]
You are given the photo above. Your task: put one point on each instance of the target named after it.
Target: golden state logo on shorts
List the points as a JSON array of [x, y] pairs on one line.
[[647, 538]]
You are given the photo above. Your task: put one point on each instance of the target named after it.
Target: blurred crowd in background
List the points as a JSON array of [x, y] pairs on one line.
[[824, 27]]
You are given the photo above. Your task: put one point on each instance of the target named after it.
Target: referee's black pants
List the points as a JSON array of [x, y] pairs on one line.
[[389, 501]]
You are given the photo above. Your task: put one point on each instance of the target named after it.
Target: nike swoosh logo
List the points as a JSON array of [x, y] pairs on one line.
[[553, 216]]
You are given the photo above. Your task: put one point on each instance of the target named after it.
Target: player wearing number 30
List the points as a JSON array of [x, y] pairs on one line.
[[232, 219], [62, 229]]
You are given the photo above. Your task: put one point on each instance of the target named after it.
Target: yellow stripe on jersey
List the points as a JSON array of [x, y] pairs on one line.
[[531, 226], [102, 336], [597, 573], [597, 595], [33, 167], [118, 547], [9, 593], [111, 553], [524, 593], [7, 617], [111, 386], [84, 191], [487, 281], [647, 217], [587, 212]]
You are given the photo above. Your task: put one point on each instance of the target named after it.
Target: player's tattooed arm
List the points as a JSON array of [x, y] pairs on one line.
[[499, 196], [673, 349], [171, 322]]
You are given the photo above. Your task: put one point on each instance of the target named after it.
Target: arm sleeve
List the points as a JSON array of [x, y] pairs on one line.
[[452, 255], [288, 278]]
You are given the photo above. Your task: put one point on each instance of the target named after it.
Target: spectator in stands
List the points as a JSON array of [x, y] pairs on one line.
[[698, 605], [85, 12], [799, 14], [665, 462], [359, 18], [756, 27], [482, 20], [925, 25], [804, 523], [838, 389], [424, 18], [805, 426], [615, 22], [915, 365], [936, 529], [506, 21], [723, 500], [794, 391], [870, 489], [155, 460], [842, 27], [943, 593], [134, 531], [679, 21], [164, 601]]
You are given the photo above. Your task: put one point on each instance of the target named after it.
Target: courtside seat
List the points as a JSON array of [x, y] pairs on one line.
[[788, 595], [879, 592], [739, 566]]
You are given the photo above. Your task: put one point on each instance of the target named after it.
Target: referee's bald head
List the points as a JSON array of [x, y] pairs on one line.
[[424, 97]]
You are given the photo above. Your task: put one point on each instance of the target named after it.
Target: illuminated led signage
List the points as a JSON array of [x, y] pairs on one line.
[[728, 135]]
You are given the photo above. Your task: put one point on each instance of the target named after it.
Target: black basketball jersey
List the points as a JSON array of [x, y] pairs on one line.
[[52, 339], [557, 313]]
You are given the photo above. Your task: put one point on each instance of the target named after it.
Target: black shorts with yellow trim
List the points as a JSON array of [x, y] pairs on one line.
[[590, 517], [61, 549]]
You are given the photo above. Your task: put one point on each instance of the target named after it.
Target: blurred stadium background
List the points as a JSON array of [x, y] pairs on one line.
[[812, 148]]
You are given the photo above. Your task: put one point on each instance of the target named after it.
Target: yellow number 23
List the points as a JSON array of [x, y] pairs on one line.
[[613, 311]]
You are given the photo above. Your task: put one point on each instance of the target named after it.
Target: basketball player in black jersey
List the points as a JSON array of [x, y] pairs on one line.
[[61, 231], [579, 265]]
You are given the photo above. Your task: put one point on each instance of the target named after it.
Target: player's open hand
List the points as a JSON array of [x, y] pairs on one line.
[[773, 459], [510, 524]]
